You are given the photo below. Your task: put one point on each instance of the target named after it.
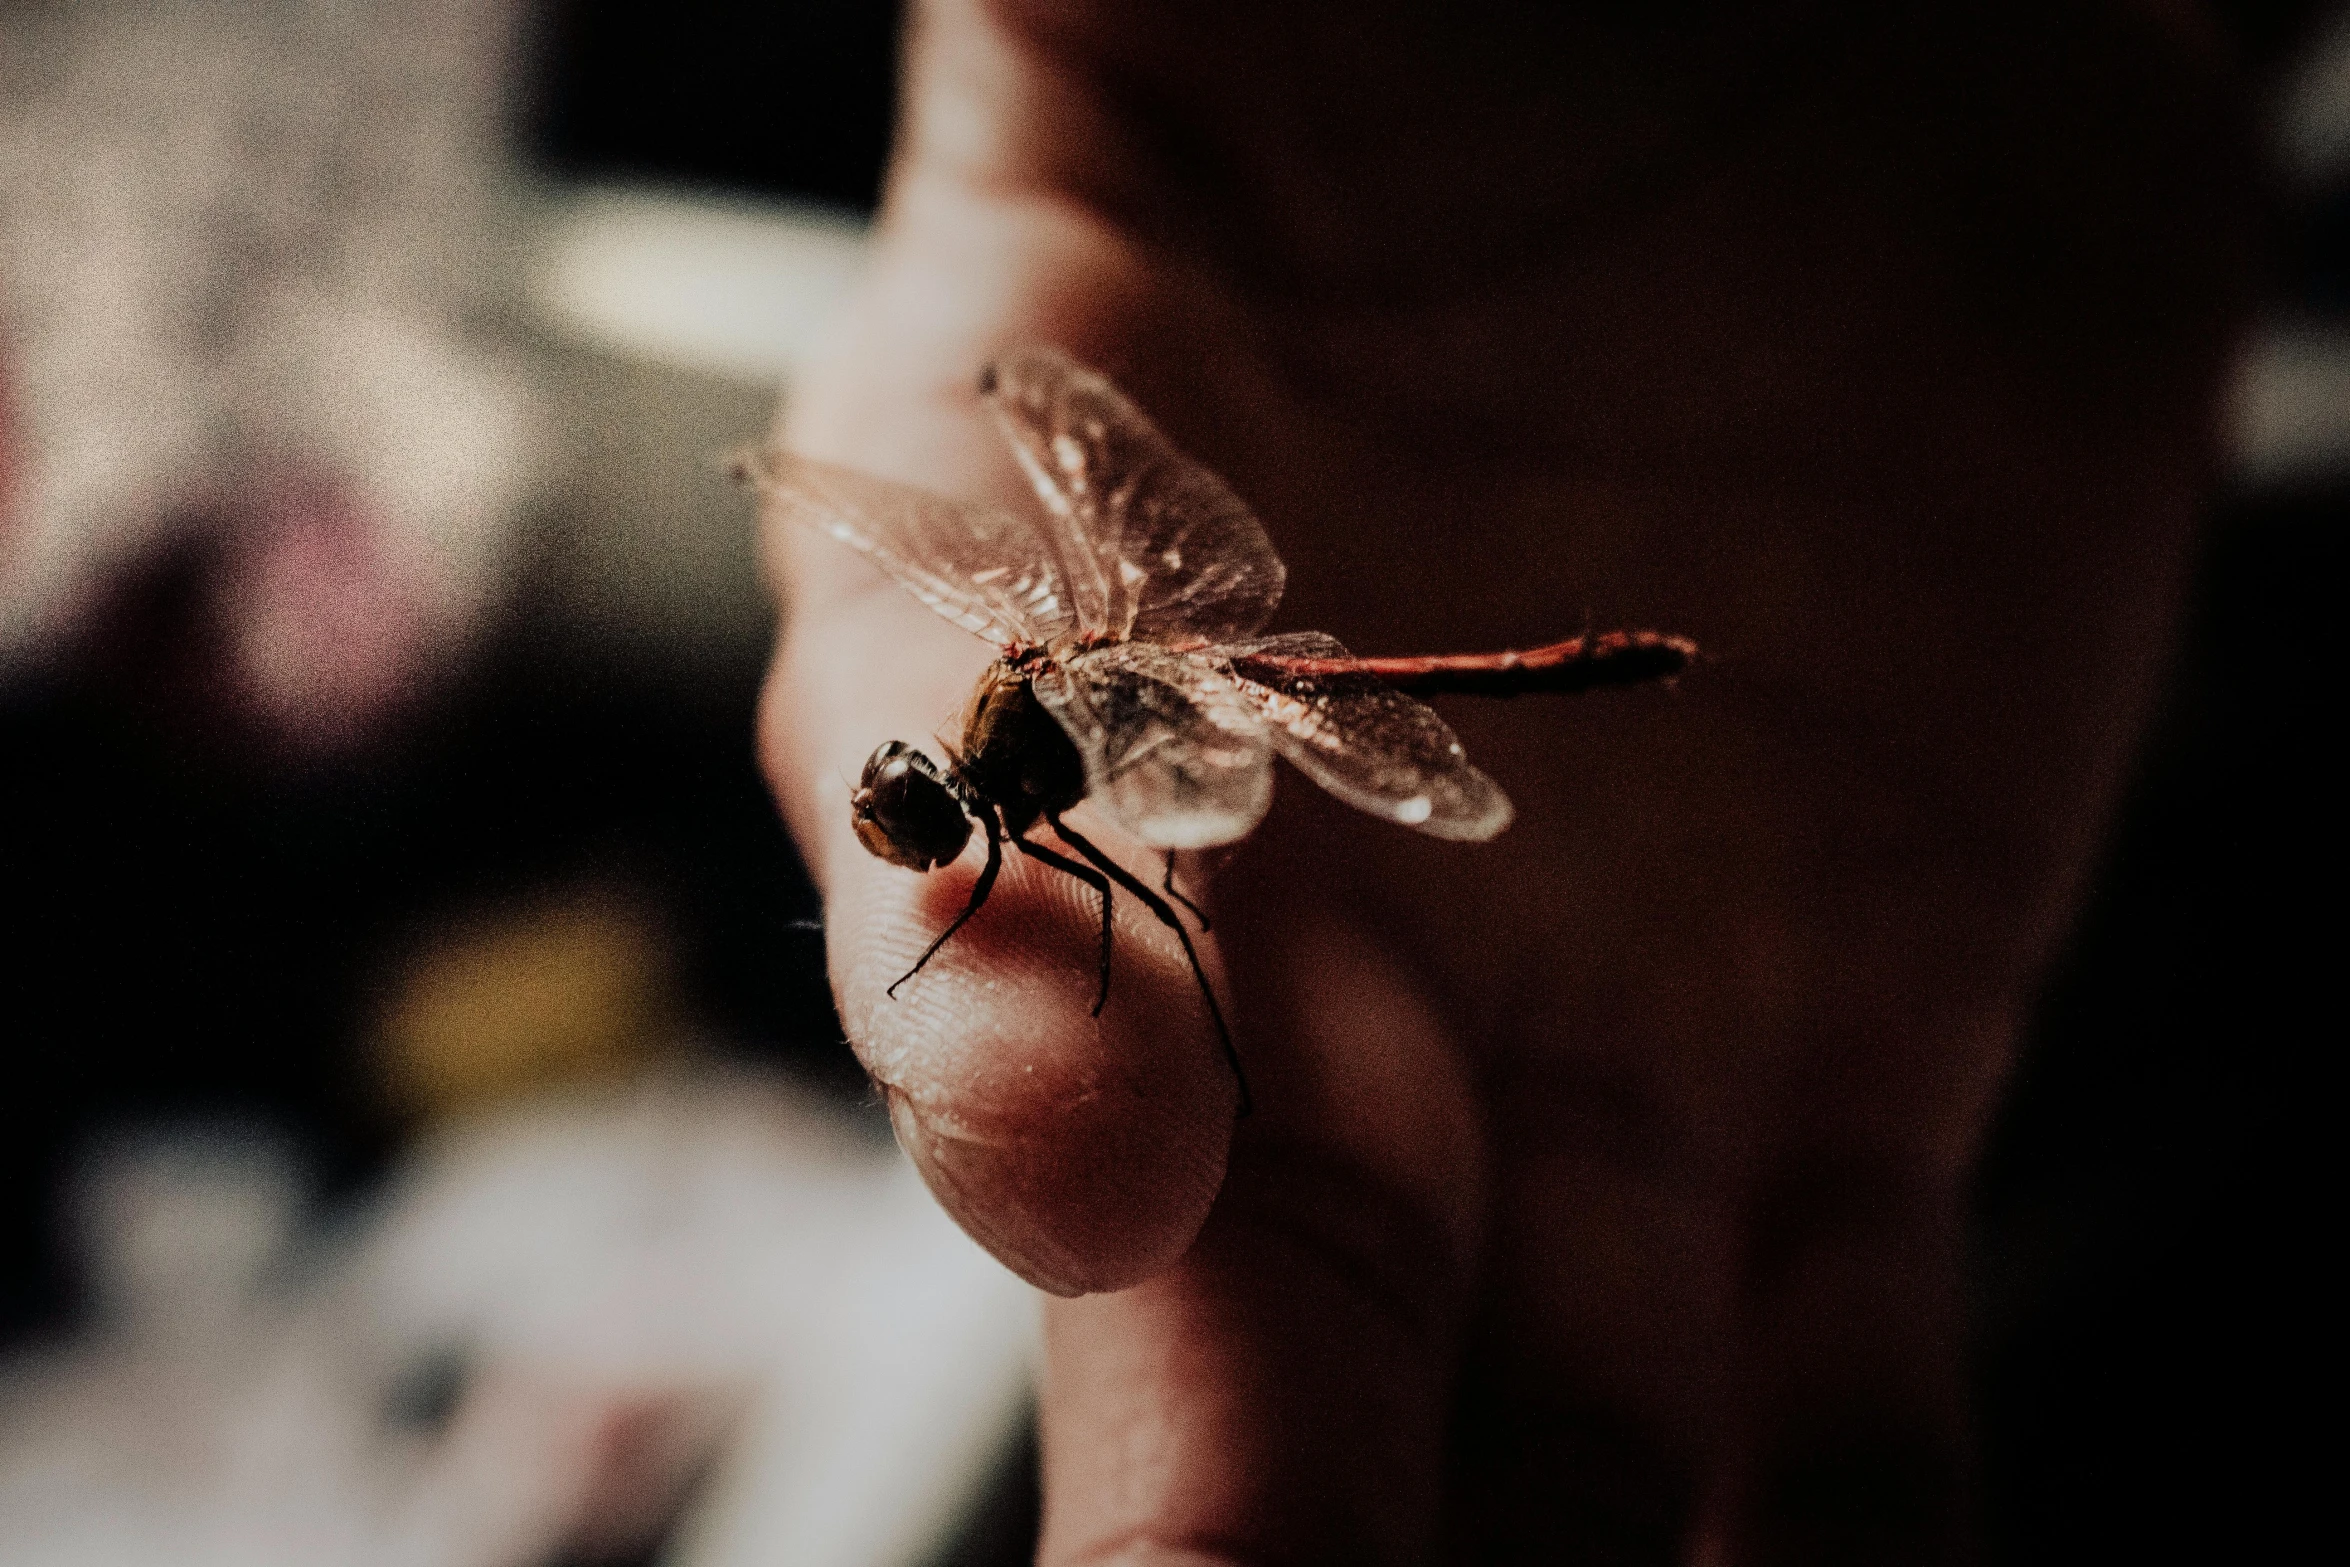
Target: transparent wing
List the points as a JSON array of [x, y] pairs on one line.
[[1372, 746], [1177, 755], [1174, 555], [990, 572]]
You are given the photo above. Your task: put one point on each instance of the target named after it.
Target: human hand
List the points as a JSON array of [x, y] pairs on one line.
[[1604, 1192]]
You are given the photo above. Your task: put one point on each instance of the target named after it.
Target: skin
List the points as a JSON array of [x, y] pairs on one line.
[[1604, 1195]]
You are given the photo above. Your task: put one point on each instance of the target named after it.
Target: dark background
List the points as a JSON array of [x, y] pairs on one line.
[[190, 930]]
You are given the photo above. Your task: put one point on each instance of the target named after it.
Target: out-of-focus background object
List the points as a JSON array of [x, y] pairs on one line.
[[247, 250], [432, 1142], [692, 1316]]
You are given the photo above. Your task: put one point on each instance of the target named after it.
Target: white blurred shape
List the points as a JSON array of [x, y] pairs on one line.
[[870, 1457], [555, 1321], [738, 289], [2288, 408], [435, 434], [176, 1229], [239, 236], [2312, 115]]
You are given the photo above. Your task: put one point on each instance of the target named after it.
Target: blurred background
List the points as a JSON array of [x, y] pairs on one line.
[[430, 1139]]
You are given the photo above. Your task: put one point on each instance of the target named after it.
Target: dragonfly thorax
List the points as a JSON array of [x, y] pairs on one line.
[[1016, 757]]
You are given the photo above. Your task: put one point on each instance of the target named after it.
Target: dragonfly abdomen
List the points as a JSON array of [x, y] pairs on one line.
[[1584, 663]]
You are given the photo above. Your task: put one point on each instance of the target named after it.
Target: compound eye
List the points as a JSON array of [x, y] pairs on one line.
[[888, 758], [904, 813]]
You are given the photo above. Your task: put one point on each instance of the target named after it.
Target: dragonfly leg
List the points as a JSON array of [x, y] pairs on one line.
[[1167, 885], [979, 891], [1092, 878], [1166, 916]]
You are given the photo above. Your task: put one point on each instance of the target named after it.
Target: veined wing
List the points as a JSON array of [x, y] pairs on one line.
[[1367, 743], [1174, 555], [990, 572], [1176, 754]]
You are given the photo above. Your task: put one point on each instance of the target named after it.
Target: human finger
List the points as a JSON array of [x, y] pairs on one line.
[[1854, 1431], [1083, 1151], [1282, 1394]]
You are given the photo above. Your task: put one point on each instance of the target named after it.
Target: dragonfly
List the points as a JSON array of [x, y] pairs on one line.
[[1131, 672]]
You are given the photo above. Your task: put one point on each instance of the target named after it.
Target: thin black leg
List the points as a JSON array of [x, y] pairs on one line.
[[1166, 916], [1092, 878], [979, 891], [1168, 887]]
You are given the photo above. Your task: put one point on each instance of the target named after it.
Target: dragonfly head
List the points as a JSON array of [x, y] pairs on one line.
[[905, 813]]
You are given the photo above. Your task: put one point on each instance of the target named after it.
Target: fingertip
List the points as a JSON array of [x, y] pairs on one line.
[[1075, 1195], [963, 1176], [1084, 1154]]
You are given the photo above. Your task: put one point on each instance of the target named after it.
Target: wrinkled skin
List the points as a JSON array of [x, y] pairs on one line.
[[1603, 1198]]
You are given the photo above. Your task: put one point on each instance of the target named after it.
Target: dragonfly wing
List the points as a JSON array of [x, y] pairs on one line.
[[1001, 576], [1171, 749], [1176, 556], [1367, 743]]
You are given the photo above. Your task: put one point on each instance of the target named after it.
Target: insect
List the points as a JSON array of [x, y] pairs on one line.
[[1131, 673]]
